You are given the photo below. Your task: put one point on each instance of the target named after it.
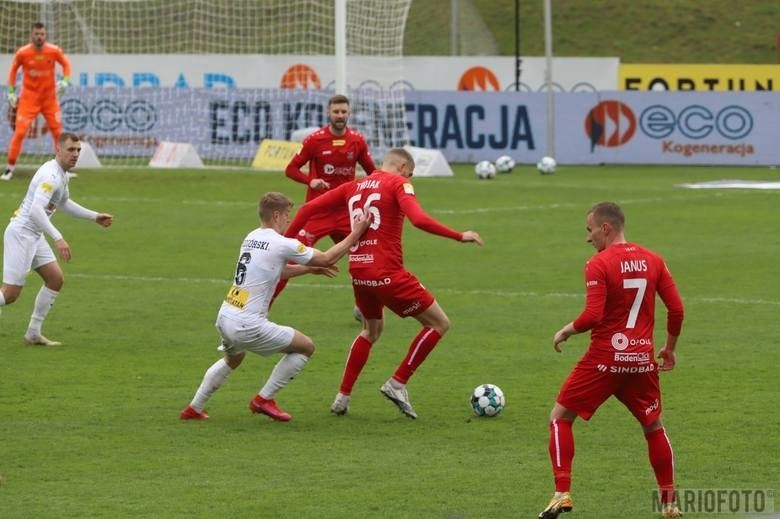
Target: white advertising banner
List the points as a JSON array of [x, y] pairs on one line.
[[738, 128], [318, 72]]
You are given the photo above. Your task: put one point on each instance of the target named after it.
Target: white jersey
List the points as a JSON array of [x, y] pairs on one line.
[[48, 188], [262, 256]]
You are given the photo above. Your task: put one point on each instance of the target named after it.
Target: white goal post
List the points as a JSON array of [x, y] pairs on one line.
[[219, 74]]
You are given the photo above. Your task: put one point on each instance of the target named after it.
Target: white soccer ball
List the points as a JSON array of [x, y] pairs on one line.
[[546, 165], [504, 164], [485, 169], [487, 400]]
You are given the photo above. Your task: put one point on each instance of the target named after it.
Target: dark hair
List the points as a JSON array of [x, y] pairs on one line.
[[337, 100], [272, 201], [608, 212], [38, 25]]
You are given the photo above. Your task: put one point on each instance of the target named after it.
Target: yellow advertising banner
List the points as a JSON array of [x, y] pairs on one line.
[[274, 155], [699, 77]]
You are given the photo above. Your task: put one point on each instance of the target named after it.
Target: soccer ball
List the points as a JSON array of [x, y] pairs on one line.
[[504, 164], [487, 400], [485, 170], [546, 165]]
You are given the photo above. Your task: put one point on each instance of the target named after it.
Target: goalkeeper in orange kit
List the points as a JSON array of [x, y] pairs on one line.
[[39, 91]]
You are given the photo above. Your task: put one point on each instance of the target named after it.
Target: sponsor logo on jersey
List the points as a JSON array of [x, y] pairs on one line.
[[410, 309], [371, 282], [361, 258], [620, 341], [653, 407], [602, 367], [237, 297], [642, 356], [649, 368], [338, 142]]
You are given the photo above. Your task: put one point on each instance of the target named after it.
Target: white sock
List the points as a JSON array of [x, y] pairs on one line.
[[2, 298], [43, 303], [284, 371], [215, 376], [395, 384], [10, 167]]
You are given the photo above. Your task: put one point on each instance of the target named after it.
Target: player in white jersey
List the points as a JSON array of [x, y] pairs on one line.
[[243, 322], [25, 247]]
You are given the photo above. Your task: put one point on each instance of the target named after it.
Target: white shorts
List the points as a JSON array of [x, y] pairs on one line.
[[23, 251], [262, 336]]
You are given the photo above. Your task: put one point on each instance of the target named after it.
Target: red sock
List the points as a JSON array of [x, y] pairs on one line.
[[358, 355], [421, 346], [659, 448], [561, 453]]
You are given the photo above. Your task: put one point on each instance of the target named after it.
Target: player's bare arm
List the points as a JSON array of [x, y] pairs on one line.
[[294, 270], [472, 237], [319, 185], [562, 335], [667, 355], [63, 249], [104, 219], [332, 255]]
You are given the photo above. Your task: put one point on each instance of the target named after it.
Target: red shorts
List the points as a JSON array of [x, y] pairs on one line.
[[337, 227], [590, 384], [402, 293]]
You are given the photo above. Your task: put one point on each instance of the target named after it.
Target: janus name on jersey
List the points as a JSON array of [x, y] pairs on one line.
[[633, 266]]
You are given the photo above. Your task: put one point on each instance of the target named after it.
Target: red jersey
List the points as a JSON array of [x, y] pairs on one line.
[[331, 158], [621, 283], [38, 68], [388, 198]]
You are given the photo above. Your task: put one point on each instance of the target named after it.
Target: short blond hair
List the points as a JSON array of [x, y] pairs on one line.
[[608, 212], [270, 202], [398, 156]]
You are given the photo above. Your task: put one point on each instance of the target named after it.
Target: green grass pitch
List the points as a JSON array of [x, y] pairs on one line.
[[91, 429]]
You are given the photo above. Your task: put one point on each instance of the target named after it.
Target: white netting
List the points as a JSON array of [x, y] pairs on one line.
[[222, 74]]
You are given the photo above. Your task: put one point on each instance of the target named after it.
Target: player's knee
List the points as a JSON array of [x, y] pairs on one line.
[[10, 295], [302, 344], [441, 325]]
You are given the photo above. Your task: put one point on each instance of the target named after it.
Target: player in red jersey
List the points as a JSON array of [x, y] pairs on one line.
[[39, 90], [376, 265], [621, 283], [332, 153]]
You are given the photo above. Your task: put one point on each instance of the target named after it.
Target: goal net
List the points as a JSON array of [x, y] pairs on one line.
[[221, 75]]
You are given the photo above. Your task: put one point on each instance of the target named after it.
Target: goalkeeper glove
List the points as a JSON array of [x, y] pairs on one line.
[[11, 97], [62, 85]]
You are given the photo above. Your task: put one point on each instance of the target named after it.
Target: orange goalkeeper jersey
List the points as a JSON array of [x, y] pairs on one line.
[[38, 67]]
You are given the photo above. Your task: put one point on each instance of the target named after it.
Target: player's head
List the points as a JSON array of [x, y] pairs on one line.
[[338, 113], [400, 161], [67, 150], [605, 222], [38, 34], [274, 210]]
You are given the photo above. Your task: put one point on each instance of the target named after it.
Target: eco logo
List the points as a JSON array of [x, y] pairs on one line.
[[610, 124]]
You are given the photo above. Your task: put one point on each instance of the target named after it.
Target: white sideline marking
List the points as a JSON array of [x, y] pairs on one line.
[[478, 292]]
